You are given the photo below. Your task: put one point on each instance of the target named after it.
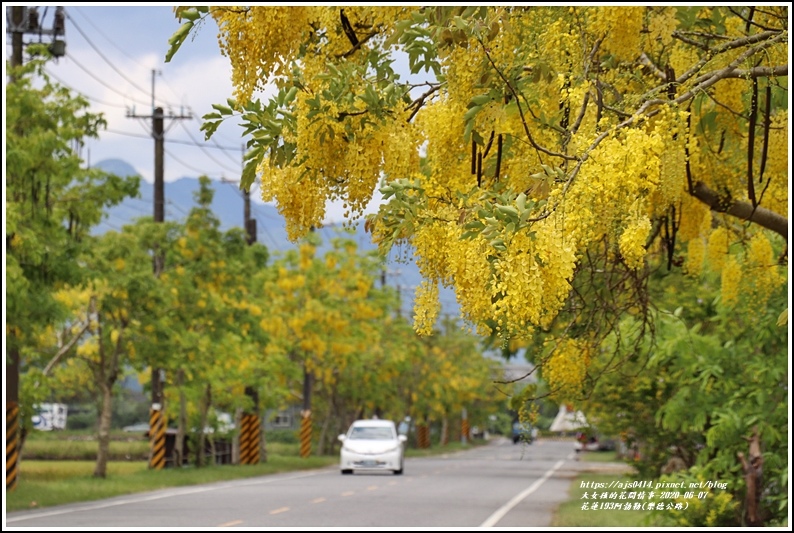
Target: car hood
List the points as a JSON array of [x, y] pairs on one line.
[[371, 446]]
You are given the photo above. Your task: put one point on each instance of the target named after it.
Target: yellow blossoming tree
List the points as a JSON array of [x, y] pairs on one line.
[[540, 160]]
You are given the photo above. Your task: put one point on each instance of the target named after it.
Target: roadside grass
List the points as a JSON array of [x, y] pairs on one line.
[[84, 450], [48, 483], [574, 512], [66, 476], [599, 457]]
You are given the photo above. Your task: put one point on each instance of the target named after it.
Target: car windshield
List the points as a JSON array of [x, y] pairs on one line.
[[371, 433]]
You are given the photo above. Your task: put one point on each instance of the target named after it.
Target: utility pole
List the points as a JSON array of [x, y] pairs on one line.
[[157, 422], [22, 20], [250, 431]]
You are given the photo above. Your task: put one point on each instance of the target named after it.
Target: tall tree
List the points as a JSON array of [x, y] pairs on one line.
[[710, 403], [52, 202], [560, 142], [106, 317]]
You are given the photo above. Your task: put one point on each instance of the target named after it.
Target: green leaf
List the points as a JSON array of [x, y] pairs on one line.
[[177, 39], [481, 99], [471, 113], [224, 110], [782, 319]]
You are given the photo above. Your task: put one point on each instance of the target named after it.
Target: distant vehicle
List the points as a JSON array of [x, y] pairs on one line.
[[590, 442], [524, 432], [50, 416], [141, 427], [372, 445]]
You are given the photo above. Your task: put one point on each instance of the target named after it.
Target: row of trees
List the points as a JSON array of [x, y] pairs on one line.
[[558, 166], [223, 315]]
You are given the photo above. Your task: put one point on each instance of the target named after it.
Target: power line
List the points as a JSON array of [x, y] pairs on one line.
[[215, 142], [108, 39], [194, 169], [92, 99], [102, 82], [171, 141], [91, 44], [204, 150]]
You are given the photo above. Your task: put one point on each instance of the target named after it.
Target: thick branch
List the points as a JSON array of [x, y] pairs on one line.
[[65, 349], [743, 210], [419, 102], [737, 43], [755, 72]]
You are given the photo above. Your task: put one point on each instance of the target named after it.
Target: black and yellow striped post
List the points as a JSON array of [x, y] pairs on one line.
[[12, 445], [245, 439], [306, 433], [249, 439], [464, 428], [157, 438], [423, 435], [464, 431]]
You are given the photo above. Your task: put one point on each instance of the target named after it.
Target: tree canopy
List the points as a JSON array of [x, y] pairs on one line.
[[540, 160]]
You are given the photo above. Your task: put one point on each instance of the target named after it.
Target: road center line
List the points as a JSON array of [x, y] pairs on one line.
[[500, 513]]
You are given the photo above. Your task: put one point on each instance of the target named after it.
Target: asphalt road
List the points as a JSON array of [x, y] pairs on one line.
[[497, 485]]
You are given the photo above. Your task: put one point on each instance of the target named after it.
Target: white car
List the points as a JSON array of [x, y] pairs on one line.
[[372, 445]]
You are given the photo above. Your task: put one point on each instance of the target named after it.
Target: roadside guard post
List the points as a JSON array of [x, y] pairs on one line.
[[157, 437]]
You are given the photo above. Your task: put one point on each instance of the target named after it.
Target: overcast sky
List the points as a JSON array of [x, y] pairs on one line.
[[112, 52]]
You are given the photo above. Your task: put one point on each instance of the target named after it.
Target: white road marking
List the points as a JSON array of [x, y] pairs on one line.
[[169, 494], [500, 513]]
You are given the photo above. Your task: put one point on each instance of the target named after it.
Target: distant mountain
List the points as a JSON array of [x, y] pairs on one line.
[[228, 205]]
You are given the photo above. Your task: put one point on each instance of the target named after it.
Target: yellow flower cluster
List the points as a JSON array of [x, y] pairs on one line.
[[442, 125], [661, 25], [622, 28], [566, 367], [426, 308], [764, 275], [718, 248], [672, 174], [695, 219], [696, 253], [776, 197], [731, 281], [258, 41], [632, 242]]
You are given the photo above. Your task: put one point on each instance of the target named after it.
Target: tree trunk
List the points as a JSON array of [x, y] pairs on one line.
[[204, 407], [103, 429], [179, 443], [238, 423], [444, 431], [262, 441], [323, 443], [753, 468]]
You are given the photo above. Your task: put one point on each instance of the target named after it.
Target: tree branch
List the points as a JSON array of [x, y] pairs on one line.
[[65, 349], [743, 210], [531, 139], [419, 102]]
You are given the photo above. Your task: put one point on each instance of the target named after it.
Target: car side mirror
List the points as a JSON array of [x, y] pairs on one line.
[[402, 438], [342, 438]]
